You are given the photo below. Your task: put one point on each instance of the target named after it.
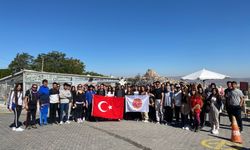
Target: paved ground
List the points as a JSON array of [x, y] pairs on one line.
[[122, 135]]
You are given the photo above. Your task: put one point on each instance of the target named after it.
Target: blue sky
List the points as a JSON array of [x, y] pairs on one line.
[[126, 37]]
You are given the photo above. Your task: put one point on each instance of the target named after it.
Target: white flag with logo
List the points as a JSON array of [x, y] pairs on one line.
[[137, 103]]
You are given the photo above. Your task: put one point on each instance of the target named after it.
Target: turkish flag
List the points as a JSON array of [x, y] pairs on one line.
[[108, 107]]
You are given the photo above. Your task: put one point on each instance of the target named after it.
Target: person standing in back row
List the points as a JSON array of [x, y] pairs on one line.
[[236, 102]]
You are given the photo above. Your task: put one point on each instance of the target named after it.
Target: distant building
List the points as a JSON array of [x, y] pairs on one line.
[[29, 77]]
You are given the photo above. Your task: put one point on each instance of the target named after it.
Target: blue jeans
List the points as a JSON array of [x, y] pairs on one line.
[[64, 107], [43, 114]]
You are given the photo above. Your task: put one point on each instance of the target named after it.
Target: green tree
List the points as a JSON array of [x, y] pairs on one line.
[[93, 73], [4, 73], [21, 61], [58, 62]]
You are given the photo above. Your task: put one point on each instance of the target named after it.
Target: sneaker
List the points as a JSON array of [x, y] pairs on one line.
[[34, 127], [187, 128], [146, 121], [183, 128], [157, 122], [61, 123], [19, 129], [78, 121], [13, 128], [68, 122], [83, 119], [215, 132]]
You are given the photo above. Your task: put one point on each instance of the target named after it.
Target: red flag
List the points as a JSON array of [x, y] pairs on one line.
[[108, 107]]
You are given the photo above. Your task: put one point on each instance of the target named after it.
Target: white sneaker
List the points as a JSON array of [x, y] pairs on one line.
[[68, 122], [187, 128], [83, 119], [61, 123], [78, 121], [215, 132], [13, 128], [19, 129], [146, 121], [183, 128]]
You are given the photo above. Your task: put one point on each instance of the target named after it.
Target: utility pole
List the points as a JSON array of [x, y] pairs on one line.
[[42, 63]]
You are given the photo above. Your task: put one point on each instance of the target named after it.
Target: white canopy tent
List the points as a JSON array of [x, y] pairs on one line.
[[205, 75]]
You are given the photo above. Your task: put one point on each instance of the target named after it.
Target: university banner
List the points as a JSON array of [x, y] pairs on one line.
[[137, 103]]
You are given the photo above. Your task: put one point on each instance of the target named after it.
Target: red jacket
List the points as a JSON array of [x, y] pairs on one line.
[[196, 100]]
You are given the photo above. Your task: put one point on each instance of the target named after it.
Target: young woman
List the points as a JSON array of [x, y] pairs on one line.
[[215, 103], [15, 104], [151, 114], [196, 105], [80, 103], [203, 110], [144, 115], [185, 109], [71, 106], [110, 91], [128, 115]]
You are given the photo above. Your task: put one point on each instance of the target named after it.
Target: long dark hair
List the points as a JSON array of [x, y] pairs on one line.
[[16, 92]]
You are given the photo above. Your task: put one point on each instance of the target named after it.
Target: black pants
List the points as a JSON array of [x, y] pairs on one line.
[[17, 112], [203, 114], [31, 117], [229, 113], [88, 113], [177, 113], [236, 111], [52, 112], [168, 114], [79, 111], [184, 120], [152, 114]]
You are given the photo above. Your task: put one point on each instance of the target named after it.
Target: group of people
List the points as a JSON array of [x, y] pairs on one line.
[[184, 105]]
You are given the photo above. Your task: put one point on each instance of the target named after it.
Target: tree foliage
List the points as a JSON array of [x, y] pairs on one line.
[[91, 73], [58, 62], [21, 61], [4, 73], [52, 62]]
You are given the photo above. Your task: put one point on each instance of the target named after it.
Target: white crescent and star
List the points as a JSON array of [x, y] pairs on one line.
[[100, 106]]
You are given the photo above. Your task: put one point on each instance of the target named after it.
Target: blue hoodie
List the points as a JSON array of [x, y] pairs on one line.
[[44, 95]]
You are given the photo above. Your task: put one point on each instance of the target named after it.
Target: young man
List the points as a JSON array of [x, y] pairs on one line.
[[54, 102], [31, 100], [65, 97], [89, 97], [158, 95], [227, 91], [44, 102], [236, 102]]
